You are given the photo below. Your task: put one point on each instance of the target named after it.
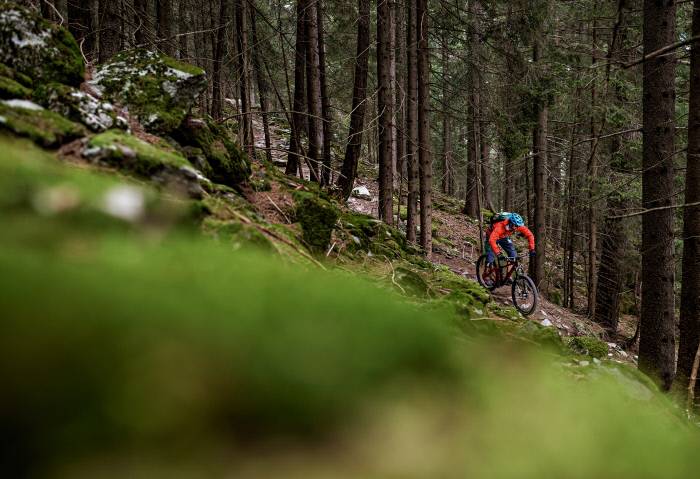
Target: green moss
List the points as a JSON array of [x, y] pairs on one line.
[[12, 74], [411, 282], [369, 234], [76, 106], [44, 127], [183, 67], [11, 89], [153, 86], [317, 217], [505, 312], [46, 51], [237, 234], [228, 164], [588, 346], [126, 151]]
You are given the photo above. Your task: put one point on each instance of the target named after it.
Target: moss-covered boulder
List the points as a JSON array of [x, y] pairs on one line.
[[78, 106], [127, 152], [227, 164], [157, 89], [38, 48], [14, 84], [44, 127], [370, 234], [588, 346], [317, 217]]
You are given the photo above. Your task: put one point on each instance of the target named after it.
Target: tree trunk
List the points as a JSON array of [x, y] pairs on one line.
[[263, 86], [166, 19], [359, 94], [412, 167], [425, 155], [217, 84], [81, 24], [690, 289], [244, 77], [313, 89], [447, 182], [325, 100], [539, 149], [110, 38], [385, 106], [656, 341], [471, 200], [297, 126]]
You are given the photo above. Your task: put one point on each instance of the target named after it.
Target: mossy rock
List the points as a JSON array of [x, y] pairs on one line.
[[228, 164], [13, 74], [157, 89], [44, 127], [38, 48], [10, 88], [126, 152], [411, 282], [371, 234], [588, 346], [238, 234], [78, 106], [317, 217]]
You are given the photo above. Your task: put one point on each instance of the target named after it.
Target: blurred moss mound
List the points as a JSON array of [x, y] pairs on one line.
[[133, 350]]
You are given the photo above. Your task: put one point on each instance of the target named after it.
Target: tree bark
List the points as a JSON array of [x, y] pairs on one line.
[[657, 342], [81, 25], [690, 284], [164, 9], [412, 167], [447, 183], [217, 84], [385, 106], [244, 76], [110, 37], [297, 126], [313, 89], [425, 150], [539, 149], [325, 100], [263, 86], [359, 94]]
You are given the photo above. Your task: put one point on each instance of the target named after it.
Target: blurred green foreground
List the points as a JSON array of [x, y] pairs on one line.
[[133, 347]]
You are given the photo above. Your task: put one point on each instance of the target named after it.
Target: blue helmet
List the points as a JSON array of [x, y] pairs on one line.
[[516, 220]]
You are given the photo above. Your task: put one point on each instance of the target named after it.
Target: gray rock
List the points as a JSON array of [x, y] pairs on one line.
[[157, 89], [78, 106], [362, 193], [37, 48]]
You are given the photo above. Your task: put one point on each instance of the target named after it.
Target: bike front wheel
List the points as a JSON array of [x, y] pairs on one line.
[[486, 274], [525, 296]]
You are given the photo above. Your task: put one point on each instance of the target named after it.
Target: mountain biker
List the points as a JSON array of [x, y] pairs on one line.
[[503, 225]]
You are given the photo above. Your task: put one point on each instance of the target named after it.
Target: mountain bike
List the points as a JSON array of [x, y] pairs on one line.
[[495, 275]]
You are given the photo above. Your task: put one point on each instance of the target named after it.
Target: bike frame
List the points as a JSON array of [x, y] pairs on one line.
[[513, 268]]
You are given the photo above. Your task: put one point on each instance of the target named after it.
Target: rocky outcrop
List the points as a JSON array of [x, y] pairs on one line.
[[37, 48], [155, 162], [157, 89], [44, 127], [79, 106], [210, 149]]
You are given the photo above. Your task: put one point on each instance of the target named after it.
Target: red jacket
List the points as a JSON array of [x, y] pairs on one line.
[[500, 230]]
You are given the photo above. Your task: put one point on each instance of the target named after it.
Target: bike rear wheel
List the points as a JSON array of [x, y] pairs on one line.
[[486, 274], [525, 296]]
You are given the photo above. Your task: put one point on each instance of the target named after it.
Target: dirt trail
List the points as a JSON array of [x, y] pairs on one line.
[[456, 243]]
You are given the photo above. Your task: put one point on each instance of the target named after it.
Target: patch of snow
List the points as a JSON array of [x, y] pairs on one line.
[[23, 104], [179, 74], [124, 202], [3, 120], [362, 193], [170, 88], [546, 322]]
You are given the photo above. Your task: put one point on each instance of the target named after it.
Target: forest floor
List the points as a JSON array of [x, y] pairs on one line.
[[456, 243]]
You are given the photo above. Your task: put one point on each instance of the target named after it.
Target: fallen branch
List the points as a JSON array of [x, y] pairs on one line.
[[278, 209], [393, 275], [661, 51]]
